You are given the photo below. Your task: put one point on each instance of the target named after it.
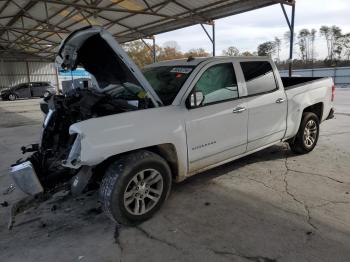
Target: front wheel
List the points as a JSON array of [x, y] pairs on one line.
[[12, 97], [135, 187], [308, 133]]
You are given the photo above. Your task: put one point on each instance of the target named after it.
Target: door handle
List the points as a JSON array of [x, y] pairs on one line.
[[280, 100], [238, 109]]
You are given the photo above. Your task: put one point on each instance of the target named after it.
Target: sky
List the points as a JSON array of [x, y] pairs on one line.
[[246, 31]]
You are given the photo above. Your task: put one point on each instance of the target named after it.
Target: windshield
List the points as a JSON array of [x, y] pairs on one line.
[[167, 80]]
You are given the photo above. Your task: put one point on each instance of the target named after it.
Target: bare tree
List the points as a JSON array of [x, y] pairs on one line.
[[278, 42], [306, 43], [172, 44], [313, 38], [345, 43], [231, 51], [333, 36]]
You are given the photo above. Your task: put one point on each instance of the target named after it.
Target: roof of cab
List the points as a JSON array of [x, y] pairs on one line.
[[197, 60]]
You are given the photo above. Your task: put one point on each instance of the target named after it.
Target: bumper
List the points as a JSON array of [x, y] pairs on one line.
[[331, 114], [26, 178]]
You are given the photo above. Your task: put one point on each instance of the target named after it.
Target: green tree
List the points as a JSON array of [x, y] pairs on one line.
[[139, 52], [247, 53], [196, 52], [267, 48], [169, 53]]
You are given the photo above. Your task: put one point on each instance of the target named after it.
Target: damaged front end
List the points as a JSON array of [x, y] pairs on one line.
[[118, 86]]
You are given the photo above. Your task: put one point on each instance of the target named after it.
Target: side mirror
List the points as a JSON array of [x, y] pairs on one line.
[[196, 99]]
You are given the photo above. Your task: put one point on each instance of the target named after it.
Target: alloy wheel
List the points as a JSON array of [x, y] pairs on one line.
[[310, 133], [143, 191]]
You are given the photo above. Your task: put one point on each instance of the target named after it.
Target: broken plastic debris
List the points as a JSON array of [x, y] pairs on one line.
[[9, 190], [4, 204]]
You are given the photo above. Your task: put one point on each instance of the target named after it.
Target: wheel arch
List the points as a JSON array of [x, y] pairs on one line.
[[167, 151], [317, 109]]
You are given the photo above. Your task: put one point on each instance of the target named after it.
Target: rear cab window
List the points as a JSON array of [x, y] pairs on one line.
[[259, 77]]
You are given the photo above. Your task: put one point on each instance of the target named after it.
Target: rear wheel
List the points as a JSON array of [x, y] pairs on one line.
[[307, 136], [135, 187], [12, 97]]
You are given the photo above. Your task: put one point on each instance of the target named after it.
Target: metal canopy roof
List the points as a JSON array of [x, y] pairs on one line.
[[34, 28]]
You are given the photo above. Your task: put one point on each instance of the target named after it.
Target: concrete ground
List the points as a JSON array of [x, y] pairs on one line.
[[267, 207]]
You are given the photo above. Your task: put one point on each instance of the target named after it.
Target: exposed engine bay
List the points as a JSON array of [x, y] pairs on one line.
[[65, 110]]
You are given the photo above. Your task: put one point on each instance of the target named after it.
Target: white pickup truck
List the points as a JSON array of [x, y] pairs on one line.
[[136, 132]]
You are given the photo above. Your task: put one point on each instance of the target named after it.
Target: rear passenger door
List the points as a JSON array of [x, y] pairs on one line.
[[267, 104]]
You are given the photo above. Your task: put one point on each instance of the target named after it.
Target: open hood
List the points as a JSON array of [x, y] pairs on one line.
[[99, 53]]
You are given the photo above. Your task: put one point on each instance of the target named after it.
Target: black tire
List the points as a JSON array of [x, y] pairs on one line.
[[118, 177], [299, 145], [12, 97]]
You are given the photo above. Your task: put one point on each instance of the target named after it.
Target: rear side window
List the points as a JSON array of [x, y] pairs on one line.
[[259, 77]]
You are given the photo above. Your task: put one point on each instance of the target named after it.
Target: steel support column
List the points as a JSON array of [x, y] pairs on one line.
[[211, 37], [57, 80], [213, 27], [291, 29], [153, 49], [291, 42], [27, 72]]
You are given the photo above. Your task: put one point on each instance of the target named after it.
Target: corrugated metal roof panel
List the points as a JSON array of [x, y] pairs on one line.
[[127, 19]]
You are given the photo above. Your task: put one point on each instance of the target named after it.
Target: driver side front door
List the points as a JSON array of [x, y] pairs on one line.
[[216, 130]]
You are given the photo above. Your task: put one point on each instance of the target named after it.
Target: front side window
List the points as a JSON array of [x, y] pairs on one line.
[[259, 77], [218, 83], [22, 87]]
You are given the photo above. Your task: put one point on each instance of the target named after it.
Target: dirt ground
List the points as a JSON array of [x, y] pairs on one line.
[[267, 207]]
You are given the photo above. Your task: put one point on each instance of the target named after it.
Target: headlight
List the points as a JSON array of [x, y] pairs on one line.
[[73, 160]]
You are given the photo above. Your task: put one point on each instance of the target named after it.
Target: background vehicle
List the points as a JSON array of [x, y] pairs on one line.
[[68, 85], [28, 90], [137, 132]]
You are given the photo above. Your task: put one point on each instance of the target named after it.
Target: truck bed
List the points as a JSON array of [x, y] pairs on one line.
[[292, 82]]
